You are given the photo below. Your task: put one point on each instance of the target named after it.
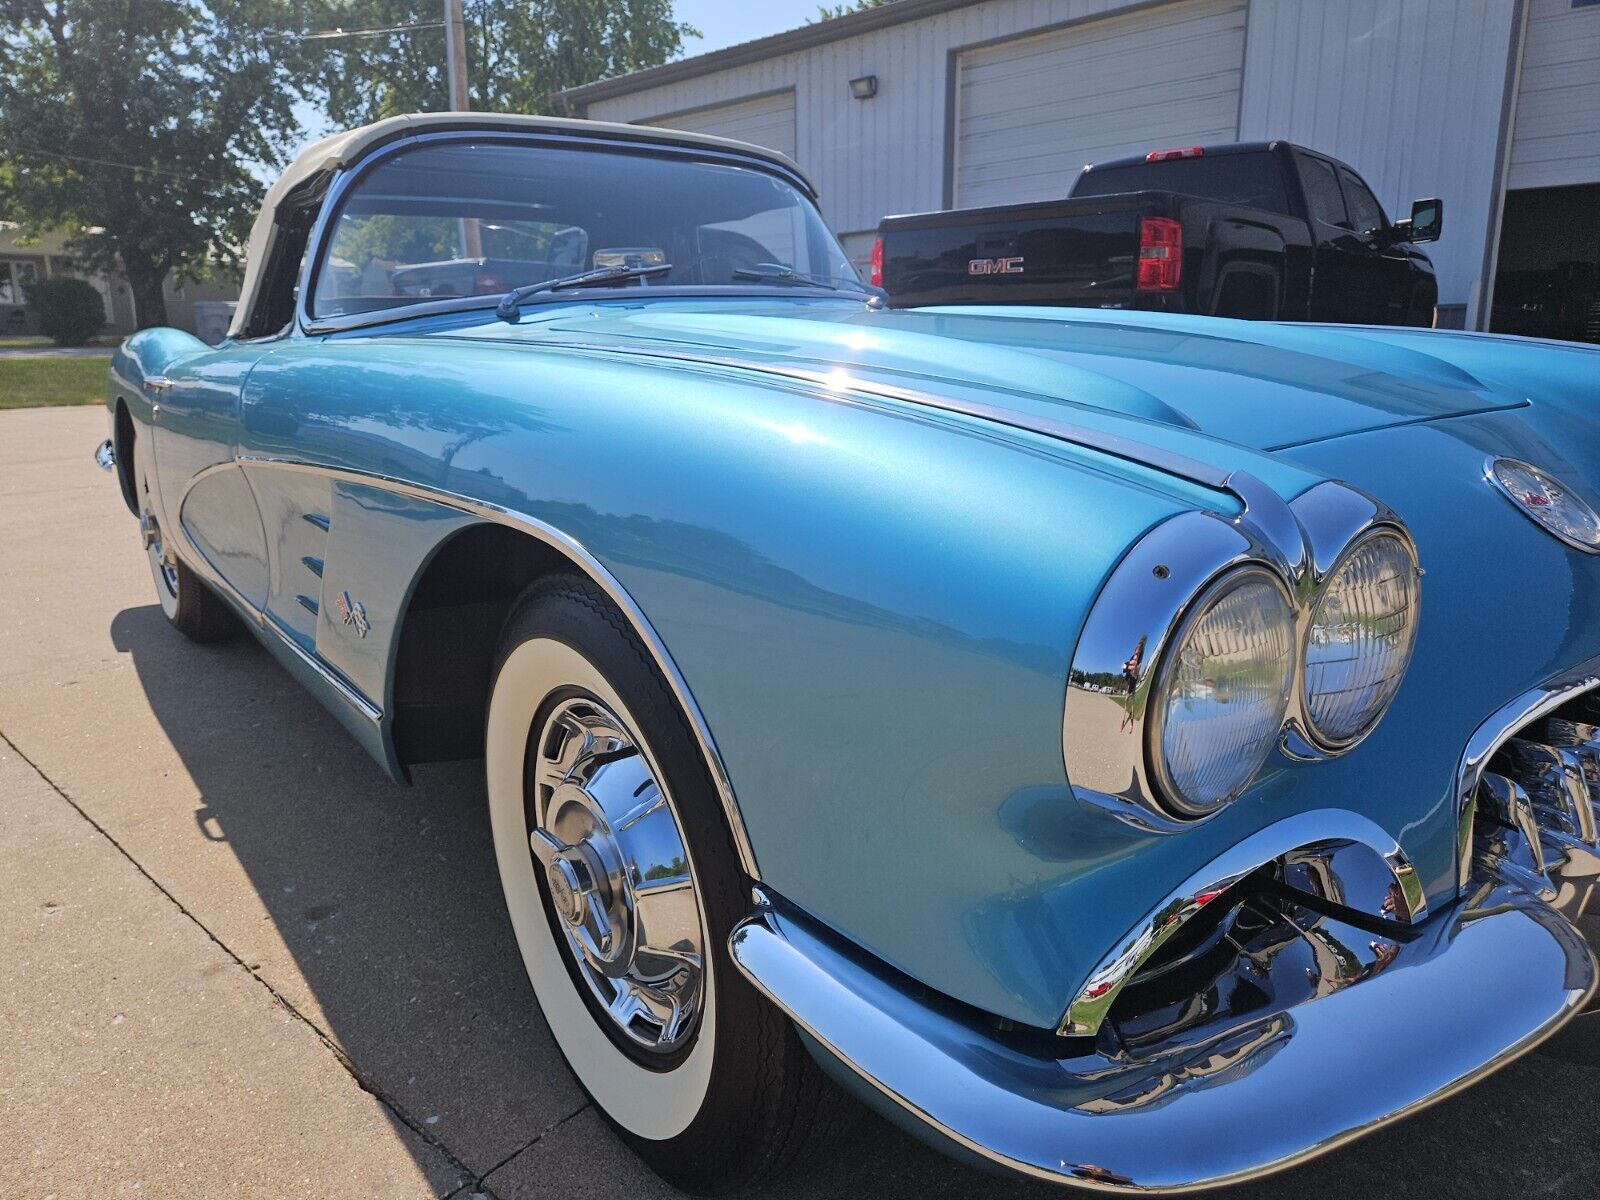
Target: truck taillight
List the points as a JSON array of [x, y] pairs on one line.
[[1175, 152], [875, 276], [1160, 254]]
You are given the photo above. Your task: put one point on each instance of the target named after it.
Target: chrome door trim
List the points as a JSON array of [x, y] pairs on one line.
[[562, 542]]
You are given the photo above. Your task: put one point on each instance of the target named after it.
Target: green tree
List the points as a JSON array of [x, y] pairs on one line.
[[827, 12], [132, 125], [518, 54]]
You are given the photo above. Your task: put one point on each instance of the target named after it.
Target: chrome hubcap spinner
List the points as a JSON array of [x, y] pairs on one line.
[[607, 842]]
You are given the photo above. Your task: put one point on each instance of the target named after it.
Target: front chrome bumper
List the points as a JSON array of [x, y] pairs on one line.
[[1322, 1032], [1289, 997]]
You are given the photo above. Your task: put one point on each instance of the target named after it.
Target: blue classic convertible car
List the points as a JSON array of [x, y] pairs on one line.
[[1132, 751]]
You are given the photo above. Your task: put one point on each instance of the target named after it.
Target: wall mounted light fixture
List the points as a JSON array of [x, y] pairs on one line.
[[864, 88]]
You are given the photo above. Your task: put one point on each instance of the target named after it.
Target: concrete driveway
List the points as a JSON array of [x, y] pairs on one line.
[[236, 961]]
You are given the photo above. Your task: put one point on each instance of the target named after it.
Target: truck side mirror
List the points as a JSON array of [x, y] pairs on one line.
[[1425, 222]]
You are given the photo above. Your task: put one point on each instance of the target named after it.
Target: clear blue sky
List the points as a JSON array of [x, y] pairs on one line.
[[729, 22]]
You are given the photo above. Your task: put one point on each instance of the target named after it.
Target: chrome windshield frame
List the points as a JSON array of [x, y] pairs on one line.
[[316, 249]]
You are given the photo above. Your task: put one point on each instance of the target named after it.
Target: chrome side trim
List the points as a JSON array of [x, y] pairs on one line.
[[1497, 729], [840, 387], [1324, 845], [1212, 1101], [567, 545], [157, 383]]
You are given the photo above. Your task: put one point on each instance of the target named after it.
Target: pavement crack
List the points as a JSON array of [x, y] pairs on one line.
[[534, 1141], [366, 1085]]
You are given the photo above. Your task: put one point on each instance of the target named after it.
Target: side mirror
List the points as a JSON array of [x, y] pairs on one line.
[[1424, 224]]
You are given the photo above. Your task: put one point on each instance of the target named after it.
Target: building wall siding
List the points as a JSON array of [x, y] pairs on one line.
[[1558, 102], [873, 157], [1409, 92], [1031, 111]]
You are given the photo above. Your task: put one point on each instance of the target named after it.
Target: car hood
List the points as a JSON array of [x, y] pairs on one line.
[[1263, 385]]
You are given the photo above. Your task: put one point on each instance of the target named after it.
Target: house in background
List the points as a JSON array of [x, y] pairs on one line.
[[1493, 105], [202, 308]]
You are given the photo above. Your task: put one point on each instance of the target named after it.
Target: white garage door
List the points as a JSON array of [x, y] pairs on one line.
[[1032, 112], [766, 121]]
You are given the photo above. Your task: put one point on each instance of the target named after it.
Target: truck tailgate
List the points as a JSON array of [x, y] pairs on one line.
[[1073, 252]]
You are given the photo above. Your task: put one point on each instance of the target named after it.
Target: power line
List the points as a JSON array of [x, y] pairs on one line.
[[380, 31], [106, 162]]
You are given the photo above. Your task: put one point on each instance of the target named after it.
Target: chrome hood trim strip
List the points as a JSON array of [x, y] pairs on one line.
[[842, 387]]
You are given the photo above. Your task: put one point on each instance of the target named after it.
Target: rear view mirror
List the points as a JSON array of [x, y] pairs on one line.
[[1427, 219]]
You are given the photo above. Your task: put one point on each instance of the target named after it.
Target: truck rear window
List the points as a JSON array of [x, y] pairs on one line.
[[1252, 179]]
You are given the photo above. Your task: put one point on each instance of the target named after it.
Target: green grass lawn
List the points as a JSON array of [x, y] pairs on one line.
[[34, 382]]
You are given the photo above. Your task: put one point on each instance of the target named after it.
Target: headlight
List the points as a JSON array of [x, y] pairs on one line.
[[1362, 631], [1222, 691]]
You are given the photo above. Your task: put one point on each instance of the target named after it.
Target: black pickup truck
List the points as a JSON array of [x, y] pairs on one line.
[[1260, 230]]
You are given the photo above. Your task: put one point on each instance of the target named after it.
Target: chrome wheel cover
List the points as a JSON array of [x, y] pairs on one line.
[[622, 893]]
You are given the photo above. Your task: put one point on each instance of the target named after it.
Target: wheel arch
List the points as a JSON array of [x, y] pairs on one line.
[[450, 622], [122, 443]]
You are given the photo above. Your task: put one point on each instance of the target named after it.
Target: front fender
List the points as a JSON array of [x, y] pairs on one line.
[[873, 611]]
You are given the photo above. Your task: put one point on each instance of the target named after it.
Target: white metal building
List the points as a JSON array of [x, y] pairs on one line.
[[1493, 105]]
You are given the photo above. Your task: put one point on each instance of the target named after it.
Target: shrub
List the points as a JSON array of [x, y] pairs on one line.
[[67, 311]]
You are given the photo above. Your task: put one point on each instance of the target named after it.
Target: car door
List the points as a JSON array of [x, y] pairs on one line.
[[195, 412], [1388, 263], [1345, 272]]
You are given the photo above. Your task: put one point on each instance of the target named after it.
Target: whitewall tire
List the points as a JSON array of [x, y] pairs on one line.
[[623, 884]]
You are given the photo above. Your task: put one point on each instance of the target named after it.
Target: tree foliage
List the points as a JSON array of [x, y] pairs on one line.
[[827, 12], [518, 54], [132, 125]]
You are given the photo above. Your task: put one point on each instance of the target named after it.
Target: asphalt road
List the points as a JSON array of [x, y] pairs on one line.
[[236, 961]]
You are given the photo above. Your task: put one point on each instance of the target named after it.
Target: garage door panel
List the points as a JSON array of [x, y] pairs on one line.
[[1165, 76], [763, 121], [1111, 109]]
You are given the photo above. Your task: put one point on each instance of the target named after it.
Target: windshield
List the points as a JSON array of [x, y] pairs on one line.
[[479, 219]]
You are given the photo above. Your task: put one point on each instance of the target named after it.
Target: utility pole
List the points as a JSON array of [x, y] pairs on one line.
[[455, 50], [455, 53]]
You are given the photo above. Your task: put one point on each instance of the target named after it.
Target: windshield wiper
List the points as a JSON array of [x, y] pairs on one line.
[[506, 310], [783, 273]]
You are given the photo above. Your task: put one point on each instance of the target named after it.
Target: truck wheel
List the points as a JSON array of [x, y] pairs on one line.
[[193, 609], [623, 885]]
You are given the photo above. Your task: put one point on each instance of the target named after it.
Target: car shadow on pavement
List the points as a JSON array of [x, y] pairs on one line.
[[374, 911]]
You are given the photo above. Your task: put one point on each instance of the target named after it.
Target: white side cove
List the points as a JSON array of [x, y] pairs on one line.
[[1031, 111]]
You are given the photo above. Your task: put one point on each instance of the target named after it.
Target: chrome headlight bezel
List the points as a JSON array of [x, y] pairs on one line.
[[1109, 754]]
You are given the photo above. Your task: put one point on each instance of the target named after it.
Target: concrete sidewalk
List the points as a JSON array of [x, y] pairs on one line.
[[236, 961]]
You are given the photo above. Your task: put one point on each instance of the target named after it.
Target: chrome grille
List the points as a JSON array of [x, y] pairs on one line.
[[1536, 807]]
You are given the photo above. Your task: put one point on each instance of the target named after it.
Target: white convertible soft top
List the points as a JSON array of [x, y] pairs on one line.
[[341, 149]]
